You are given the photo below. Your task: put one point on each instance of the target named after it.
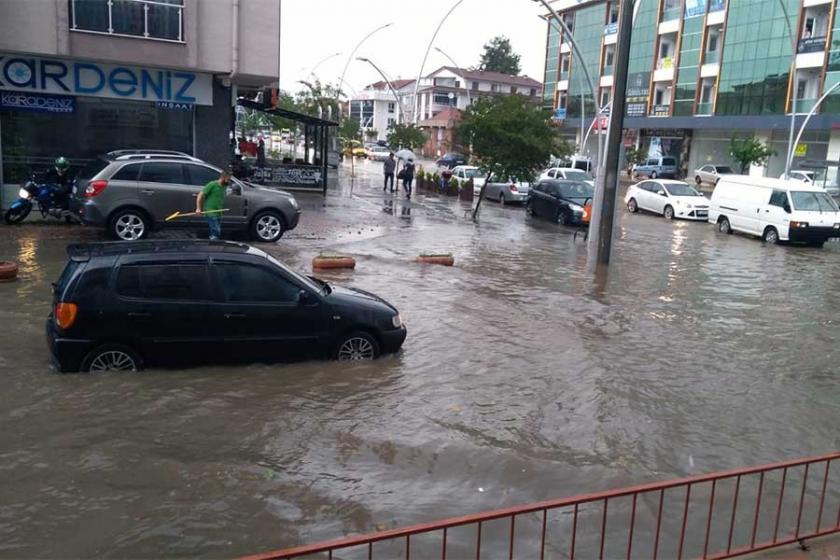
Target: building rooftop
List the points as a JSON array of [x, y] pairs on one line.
[[483, 75]]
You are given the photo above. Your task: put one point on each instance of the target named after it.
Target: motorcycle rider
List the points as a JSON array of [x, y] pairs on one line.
[[59, 175]]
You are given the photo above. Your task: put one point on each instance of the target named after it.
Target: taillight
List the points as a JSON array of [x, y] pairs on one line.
[[95, 187], [513, 188], [65, 314]]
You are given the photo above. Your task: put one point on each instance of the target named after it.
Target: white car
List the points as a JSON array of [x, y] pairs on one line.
[[466, 172], [710, 174], [377, 153], [671, 199], [567, 173], [801, 176], [775, 210]]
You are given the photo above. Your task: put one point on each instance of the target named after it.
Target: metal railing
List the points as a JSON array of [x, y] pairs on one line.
[[805, 105], [161, 20], [811, 45], [711, 57], [713, 516], [704, 109], [608, 70]]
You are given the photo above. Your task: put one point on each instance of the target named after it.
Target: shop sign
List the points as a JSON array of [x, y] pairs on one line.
[[37, 102], [801, 150], [664, 132], [172, 106], [560, 114], [117, 81], [611, 29], [638, 109]]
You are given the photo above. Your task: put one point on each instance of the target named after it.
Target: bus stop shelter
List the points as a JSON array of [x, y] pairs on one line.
[[306, 173]]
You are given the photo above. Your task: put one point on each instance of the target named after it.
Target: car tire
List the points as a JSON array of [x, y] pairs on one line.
[[698, 180], [268, 226], [129, 224], [356, 346], [111, 357], [668, 213], [563, 217], [724, 226], [529, 207], [770, 236], [653, 175], [632, 206]]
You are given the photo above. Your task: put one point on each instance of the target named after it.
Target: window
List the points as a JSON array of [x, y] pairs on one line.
[[659, 97], [813, 202], [249, 283], [669, 161], [148, 19], [552, 174], [494, 88], [512, 89], [474, 86], [162, 173], [605, 96], [127, 173], [533, 92], [444, 99], [391, 122], [164, 282], [778, 198], [199, 175], [391, 107]]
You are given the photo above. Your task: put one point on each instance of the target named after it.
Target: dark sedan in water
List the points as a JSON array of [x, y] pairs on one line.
[[122, 306], [565, 202]]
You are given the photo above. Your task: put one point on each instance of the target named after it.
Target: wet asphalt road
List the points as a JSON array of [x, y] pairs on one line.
[[522, 378]]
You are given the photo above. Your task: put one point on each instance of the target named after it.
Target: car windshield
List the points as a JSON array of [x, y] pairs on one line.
[[322, 288], [576, 190], [575, 175], [722, 169], [681, 189], [813, 202], [473, 174], [669, 161]]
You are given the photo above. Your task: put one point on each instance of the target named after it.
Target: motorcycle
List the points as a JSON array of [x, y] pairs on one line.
[[47, 196]]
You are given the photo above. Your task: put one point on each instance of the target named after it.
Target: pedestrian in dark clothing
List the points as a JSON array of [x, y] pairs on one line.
[[261, 153], [408, 177], [388, 168]]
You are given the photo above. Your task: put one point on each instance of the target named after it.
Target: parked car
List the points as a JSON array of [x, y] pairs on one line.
[[582, 163], [466, 172], [565, 202], [510, 191], [123, 306], [671, 199], [131, 197], [451, 160], [377, 152], [774, 210], [710, 174], [801, 176], [567, 174], [665, 167]]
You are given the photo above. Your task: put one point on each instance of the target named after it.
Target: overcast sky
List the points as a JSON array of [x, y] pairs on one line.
[[315, 29]]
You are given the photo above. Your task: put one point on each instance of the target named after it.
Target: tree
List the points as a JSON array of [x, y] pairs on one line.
[[634, 156], [371, 134], [498, 56], [510, 136], [749, 151], [405, 135], [349, 129]]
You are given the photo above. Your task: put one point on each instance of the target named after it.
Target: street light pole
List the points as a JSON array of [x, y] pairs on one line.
[[387, 81], [425, 56], [466, 86], [323, 60], [353, 53]]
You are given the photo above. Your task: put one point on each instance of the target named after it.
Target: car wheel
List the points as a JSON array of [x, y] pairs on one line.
[[723, 225], [529, 207], [129, 225], [563, 217], [771, 236], [668, 213], [267, 227], [653, 174], [356, 346], [698, 180], [112, 357], [632, 206]]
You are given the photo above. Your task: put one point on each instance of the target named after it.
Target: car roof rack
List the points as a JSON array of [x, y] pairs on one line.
[[117, 153], [85, 251], [157, 155]]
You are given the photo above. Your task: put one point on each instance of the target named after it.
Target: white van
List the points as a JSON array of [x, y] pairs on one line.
[[774, 210]]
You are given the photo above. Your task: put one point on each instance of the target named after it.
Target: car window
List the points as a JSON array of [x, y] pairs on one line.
[[199, 175], [552, 189], [652, 162], [127, 173], [164, 282], [813, 202], [682, 189], [576, 190], [250, 283], [552, 174], [778, 198], [645, 186], [162, 172], [576, 175], [93, 168], [669, 161], [723, 170]]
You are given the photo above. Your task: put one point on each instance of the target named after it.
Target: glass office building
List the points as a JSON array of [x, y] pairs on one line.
[[701, 72]]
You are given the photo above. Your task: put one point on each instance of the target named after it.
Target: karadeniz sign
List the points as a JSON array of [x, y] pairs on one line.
[[70, 77], [37, 102], [287, 176]]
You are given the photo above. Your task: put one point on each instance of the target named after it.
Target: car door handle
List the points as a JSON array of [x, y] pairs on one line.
[[139, 314], [235, 315], [147, 191]]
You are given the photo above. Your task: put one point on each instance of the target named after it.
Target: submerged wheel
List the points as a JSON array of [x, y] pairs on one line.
[[112, 357], [357, 346], [723, 225], [632, 206]]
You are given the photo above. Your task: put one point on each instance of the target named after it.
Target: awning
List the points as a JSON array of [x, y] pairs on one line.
[[286, 113]]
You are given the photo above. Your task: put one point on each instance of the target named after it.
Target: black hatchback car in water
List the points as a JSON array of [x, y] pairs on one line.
[[565, 202], [124, 306]]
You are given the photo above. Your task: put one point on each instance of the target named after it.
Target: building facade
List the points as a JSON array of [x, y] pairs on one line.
[[701, 72], [83, 77], [378, 109]]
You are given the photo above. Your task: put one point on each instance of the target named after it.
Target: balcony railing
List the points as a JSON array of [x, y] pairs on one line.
[[564, 75], [704, 109], [803, 106], [660, 110], [608, 71], [717, 5], [666, 63], [161, 20], [812, 44], [611, 29], [711, 57], [669, 14]]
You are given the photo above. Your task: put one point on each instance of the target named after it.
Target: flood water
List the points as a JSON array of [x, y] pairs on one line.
[[521, 379]]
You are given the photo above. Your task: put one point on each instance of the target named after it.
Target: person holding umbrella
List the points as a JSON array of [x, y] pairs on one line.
[[408, 177]]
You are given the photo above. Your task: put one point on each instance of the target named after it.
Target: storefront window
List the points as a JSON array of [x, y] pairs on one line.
[[152, 19], [30, 141]]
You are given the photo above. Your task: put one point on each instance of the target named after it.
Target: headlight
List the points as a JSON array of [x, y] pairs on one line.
[[397, 321], [23, 193], [293, 202], [576, 208]]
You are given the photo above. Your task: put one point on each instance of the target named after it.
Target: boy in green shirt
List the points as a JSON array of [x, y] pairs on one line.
[[210, 201]]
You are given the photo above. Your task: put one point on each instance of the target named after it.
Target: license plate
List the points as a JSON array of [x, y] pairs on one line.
[[702, 214]]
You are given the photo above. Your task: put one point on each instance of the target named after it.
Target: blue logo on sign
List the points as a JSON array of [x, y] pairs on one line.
[[37, 102]]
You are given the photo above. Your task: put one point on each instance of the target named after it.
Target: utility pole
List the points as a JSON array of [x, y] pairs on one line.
[[604, 207]]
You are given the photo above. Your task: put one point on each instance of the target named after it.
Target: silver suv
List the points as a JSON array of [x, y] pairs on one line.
[[132, 194]]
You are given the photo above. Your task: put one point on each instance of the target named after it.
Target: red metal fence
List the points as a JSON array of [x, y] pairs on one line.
[[714, 516]]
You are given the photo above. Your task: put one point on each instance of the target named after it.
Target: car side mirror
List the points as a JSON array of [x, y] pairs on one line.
[[304, 298], [661, 193], [236, 189], [786, 207]]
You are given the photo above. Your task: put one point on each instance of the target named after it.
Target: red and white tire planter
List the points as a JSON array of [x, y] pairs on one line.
[[8, 271], [443, 260], [327, 262]]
